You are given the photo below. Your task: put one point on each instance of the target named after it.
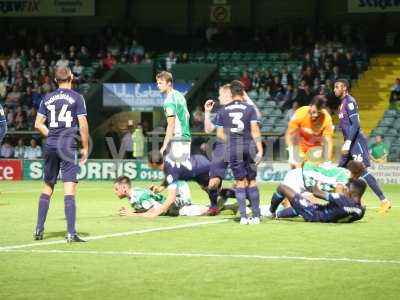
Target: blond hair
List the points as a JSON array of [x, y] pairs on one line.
[[167, 76]]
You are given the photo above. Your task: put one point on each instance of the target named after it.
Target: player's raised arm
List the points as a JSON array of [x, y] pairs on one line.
[[256, 135], [209, 127]]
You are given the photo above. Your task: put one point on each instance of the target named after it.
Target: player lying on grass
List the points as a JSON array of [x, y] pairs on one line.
[[195, 169], [144, 200], [302, 180], [345, 207]]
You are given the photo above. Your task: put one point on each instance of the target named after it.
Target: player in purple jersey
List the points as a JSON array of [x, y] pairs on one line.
[[218, 163], [355, 146], [341, 208], [237, 126], [196, 168], [3, 124], [61, 118]]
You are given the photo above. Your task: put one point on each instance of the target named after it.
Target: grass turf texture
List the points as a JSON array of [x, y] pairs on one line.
[[112, 268]]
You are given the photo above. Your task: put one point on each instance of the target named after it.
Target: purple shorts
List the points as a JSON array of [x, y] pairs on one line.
[[241, 161], [358, 152], [218, 163], [67, 162]]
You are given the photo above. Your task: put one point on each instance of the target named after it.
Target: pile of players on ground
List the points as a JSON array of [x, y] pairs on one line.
[[239, 146]]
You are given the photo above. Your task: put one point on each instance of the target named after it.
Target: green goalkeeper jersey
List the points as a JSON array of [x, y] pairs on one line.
[[326, 174], [175, 105]]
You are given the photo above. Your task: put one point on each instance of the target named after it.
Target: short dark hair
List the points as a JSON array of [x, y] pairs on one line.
[[63, 74], [356, 168], [345, 82], [358, 186], [319, 101], [237, 88], [123, 180], [155, 157]]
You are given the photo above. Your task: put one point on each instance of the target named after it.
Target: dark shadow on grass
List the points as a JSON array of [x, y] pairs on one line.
[[61, 234]]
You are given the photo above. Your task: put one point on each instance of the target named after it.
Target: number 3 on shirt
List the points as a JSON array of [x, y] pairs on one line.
[[237, 120], [63, 116]]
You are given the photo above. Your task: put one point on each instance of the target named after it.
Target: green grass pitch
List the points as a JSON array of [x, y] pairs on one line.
[[274, 260]]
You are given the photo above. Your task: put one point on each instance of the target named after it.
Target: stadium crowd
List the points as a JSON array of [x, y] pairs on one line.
[[26, 72]]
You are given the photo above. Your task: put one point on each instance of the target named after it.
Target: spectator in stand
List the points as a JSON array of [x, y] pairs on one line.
[[170, 60], [395, 93], [127, 140], [286, 78], [288, 95], [48, 54], [184, 58], [33, 151], [19, 150], [277, 89], [136, 59], [335, 74], [308, 76], [13, 98], [379, 151], [291, 111], [136, 49], [147, 59], [109, 61], [77, 70], [350, 67], [30, 118], [245, 79], [257, 81], [211, 31], [71, 54], [304, 95], [13, 61], [308, 62], [20, 119], [7, 150], [84, 56]]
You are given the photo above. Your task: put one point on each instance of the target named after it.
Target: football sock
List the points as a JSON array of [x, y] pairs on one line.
[[373, 184], [276, 199], [70, 212], [254, 196], [213, 195], [287, 213], [44, 202], [241, 199], [227, 193]]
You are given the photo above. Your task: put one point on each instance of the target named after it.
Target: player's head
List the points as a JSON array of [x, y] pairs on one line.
[[317, 104], [155, 160], [122, 185], [164, 81], [224, 94], [356, 189], [378, 139], [63, 75], [342, 87], [237, 89], [356, 168]]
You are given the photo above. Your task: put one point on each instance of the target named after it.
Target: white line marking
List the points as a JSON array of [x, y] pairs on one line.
[[118, 234], [212, 255]]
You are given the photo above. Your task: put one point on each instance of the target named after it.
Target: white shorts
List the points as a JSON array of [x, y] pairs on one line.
[[294, 180], [179, 151], [192, 210]]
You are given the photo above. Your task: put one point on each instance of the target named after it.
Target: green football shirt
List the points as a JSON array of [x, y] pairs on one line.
[[326, 174], [175, 105]]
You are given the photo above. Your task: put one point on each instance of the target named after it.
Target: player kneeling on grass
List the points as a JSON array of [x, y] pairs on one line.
[[145, 202], [345, 207]]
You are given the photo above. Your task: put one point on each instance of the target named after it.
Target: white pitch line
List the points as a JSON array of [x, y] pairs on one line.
[[208, 255], [118, 234]]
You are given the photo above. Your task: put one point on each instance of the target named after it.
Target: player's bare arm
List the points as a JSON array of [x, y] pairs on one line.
[[41, 126], [256, 135], [169, 133], [209, 127], [84, 131], [155, 212], [221, 134]]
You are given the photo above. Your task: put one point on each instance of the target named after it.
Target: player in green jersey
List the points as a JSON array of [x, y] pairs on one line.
[[176, 143]]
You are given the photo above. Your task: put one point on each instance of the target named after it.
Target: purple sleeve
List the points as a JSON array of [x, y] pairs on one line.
[[81, 107], [352, 112], [42, 109], [218, 121]]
